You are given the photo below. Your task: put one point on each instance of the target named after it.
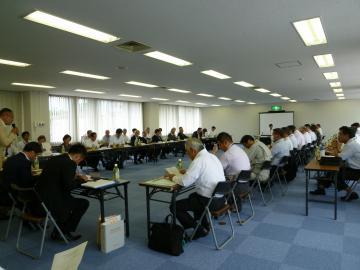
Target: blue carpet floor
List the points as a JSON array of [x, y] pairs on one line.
[[280, 237]]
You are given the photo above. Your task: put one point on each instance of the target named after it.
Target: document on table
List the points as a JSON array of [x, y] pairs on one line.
[[161, 182], [69, 259], [98, 183], [173, 170]]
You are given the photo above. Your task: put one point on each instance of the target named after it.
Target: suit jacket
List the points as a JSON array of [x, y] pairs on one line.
[[156, 138], [6, 138], [196, 135], [55, 184], [17, 170], [172, 137], [182, 136]]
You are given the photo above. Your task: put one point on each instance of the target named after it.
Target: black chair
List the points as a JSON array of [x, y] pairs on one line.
[[23, 195], [278, 173], [222, 190], [242, 178], [265, 166]]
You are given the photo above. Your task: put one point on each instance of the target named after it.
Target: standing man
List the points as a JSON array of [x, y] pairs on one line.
[[6, 136]]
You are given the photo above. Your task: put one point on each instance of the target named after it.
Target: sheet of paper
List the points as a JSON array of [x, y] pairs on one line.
[[162, 182], [69, 259]]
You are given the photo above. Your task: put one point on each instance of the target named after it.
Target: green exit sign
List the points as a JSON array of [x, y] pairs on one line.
[[276, 108]]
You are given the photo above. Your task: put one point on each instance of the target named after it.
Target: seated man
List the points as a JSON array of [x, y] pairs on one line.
[[65, 146], [258, 153], [17, 170], [46, 147], [205, 171], [54, 187], [351, 171], [25, 140], [280, 149], [156, 138], [91, 144], [172, 137], [135, 141], [106, 138]]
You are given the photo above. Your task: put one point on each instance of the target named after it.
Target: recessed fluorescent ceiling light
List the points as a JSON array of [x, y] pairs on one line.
[[131, 96], [87, 75], [199, 103], [251, 103], [340, 95], [275, 95], [162, 99], [224, 98], [331, 75], [240, 101], [179, 90], [215, 105], [285, 98], [335, 84], [88, 91], [69, 26], [292, 100], [13, 63], [168, 58], [32, 85], [204, 95], [337, 90], [182, 101], [142, 84], [244, 84], [215, 74], [262, 90], [311, 31], [324, 60]]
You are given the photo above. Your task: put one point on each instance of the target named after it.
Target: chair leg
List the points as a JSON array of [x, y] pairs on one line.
[[250, 217], [227, 240], [9, 221]]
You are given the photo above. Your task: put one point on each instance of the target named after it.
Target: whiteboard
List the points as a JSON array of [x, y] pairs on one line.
[[279, 120]]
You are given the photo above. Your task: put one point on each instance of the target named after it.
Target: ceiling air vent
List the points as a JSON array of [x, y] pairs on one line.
[[133, 46], [289, 64]]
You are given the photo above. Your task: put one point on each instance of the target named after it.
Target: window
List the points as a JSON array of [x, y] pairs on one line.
[[75, 116], [179, 116]]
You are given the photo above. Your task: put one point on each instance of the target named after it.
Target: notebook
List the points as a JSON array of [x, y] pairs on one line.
[[173, 170], [98, 184], [161, 182]]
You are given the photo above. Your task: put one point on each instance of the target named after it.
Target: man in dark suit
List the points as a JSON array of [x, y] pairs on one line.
[[155, 139], [197, 134], [54, 187], [135, 141], [17, 169]]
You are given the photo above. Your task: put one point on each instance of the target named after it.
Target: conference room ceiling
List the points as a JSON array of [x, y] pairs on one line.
[[246, 40]]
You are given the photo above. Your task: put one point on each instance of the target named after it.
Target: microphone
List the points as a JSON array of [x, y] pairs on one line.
[[13, 125]]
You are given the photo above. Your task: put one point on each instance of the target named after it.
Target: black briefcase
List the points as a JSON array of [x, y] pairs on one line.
[[167, 237]]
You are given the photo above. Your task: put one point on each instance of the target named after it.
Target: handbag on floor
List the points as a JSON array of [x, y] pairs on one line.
[[167, 238]]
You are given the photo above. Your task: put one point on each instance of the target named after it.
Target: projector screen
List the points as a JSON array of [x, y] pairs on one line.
[[278, 119]]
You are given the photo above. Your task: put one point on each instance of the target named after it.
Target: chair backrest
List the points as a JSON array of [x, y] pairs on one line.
[[284, 160], [222, 188], [244, 175]]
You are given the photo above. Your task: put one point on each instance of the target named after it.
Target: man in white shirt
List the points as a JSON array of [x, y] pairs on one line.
[[212, 132], [280, 148], [285, 136], [234, 159], [106, 139], [294, 141], [25, 140], [258, 153], [351, 155], [125, 137], [86, 136], [117, 139], [356, 127], [205, 172], [299, 137], [7, 135], [320, 129], [306, 135], [92, 142]]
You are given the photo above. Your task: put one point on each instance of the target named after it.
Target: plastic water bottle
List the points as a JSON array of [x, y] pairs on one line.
[[317, 153], [62, 149], [116, 172], [179, 164], [36, 164], [322, 150]]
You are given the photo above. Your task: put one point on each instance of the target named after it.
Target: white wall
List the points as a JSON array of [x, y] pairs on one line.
[[13, 101], [242, 120]]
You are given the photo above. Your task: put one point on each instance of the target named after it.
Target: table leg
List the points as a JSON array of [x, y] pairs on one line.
[[102, 210], [173, 206], [307, 193], [335, 196], [148, 211], [126, 211]]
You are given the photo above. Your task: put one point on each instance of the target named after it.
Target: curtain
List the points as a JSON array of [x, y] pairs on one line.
[[77, 115], [179, 116]]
